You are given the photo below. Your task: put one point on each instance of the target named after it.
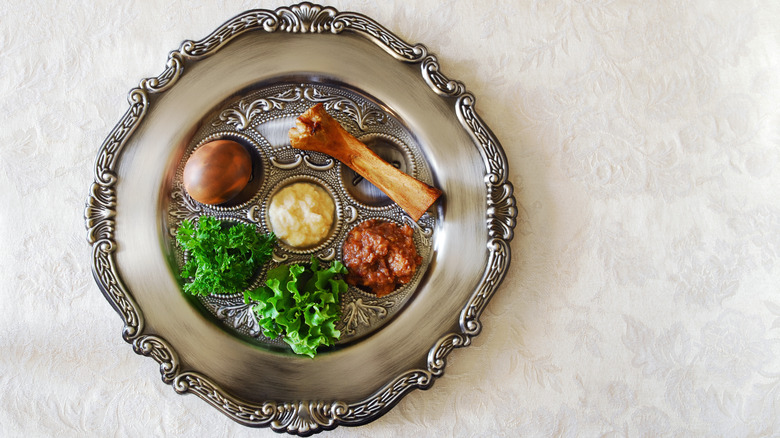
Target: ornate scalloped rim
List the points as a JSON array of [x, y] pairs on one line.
[[297, 417]]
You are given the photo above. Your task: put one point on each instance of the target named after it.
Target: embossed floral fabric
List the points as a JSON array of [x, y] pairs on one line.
[[643, 139]]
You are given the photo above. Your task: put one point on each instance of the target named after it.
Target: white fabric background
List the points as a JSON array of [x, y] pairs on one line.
[[643, 141]]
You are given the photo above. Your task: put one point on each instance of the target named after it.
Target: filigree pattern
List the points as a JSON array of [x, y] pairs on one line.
[[425, 225], [306, 17], [386, 397], [287, 165], [101, 210], [362, 113], [303, 18], [244, 413], [243, 116], [105, 272], [328, 163], [361, 313], [327, 255], [302, 418], [498, 261], [502, 212], [443, 347], [437, 81], [159, 350], [385, 39], [174, 69], [240, 317], [101, 203], [184, 207], [495, 159], [256, 19]]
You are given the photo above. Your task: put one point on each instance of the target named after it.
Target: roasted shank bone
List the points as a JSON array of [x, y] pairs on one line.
[[316, 130]]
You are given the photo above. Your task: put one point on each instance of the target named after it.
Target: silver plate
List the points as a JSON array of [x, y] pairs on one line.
[[248, 80]]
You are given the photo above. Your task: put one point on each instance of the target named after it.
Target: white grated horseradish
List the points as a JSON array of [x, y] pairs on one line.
[[301, 214]]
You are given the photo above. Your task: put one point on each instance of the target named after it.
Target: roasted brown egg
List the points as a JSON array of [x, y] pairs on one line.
[[217, 171]]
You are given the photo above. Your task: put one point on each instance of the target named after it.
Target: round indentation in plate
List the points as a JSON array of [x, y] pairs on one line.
[[287, 231], [391, 259], [252, 187], [389, 149]]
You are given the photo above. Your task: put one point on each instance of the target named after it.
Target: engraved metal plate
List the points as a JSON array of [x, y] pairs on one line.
[[248, 81], [260, 121]]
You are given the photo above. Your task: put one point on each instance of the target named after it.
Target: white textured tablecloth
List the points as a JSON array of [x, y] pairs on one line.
[[643, 139]]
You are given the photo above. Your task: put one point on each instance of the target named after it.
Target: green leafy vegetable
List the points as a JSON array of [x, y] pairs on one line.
[[301, 304], [222, 259]]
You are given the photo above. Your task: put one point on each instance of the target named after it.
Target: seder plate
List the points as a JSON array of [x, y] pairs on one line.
[[248, 81]]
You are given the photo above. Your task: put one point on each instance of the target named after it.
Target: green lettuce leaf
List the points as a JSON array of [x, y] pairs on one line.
[[301, 304]]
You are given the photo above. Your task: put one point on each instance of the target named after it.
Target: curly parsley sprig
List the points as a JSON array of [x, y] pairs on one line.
[[222, 258]]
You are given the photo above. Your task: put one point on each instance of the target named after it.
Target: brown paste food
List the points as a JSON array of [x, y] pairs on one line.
[[380, 256]]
